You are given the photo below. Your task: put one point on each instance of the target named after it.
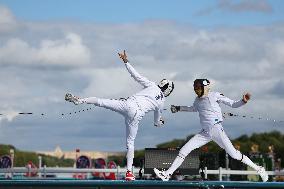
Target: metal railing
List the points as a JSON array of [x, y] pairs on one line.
[[44, 171], [223, 172]]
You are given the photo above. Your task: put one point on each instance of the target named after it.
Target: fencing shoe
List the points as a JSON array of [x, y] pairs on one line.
[[264, 176], [71, 98], [161, 174], [129, 176]]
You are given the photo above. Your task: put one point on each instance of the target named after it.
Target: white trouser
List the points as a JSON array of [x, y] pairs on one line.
[[218, 135], [132, 113], [214, 133]]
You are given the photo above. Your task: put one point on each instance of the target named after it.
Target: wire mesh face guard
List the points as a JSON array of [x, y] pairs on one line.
[[199, 86], [166, 87]]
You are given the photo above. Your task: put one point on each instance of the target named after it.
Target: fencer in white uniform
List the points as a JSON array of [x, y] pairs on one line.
[[207, 105], [133, 108]]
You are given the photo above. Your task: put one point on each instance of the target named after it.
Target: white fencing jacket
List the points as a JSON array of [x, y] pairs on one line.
[[151, 98], [209, 108]]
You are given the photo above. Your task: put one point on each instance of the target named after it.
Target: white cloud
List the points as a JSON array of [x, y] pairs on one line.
[[7, 20], [70, 50], [67, 51], [246, 5], [8, 115], [275, 52], [262, 6]]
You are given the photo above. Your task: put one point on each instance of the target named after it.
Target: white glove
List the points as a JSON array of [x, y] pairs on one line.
[[74, 99], [175, 109], [161, 123]]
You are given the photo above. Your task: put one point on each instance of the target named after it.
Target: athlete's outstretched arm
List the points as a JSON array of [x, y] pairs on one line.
[[234, 104], [175, 109], [139, 78]]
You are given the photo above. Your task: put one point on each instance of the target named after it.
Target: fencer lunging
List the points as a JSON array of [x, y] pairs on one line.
[[207, 105], [133, 108]]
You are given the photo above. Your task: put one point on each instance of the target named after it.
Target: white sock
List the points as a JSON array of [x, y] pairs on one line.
[[177, 162], [129, 157], [247, 161]]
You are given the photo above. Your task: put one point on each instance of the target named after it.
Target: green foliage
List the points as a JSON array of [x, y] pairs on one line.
[[50, 161], [172, 144], [176, 143], [5, 149], [21, 158]]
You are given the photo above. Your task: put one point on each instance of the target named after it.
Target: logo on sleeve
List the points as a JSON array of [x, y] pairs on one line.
[[160, 96]]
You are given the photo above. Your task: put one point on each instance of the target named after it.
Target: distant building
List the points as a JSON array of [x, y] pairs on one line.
[[72, 154]]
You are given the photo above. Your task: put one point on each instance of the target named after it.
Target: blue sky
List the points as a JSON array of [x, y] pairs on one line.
[[185, 11], [48, 48]]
